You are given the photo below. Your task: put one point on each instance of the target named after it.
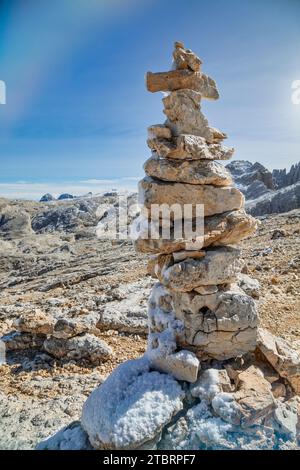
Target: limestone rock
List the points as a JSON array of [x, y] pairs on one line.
[[215, 200], [183, 365], [278, 390], [189, 147], [18, 341], [219, 266], [253, 396], [210, 383], [192, 172], [87, 347], [249, 285], [218, 135], [285, 360], [221, 325], [185, 58], [222, 229], [71, 437], [65, 328], [159, 131], [182, 79], [182, 108], [286, 417], [131, 407], [37, 322], [206, 290]]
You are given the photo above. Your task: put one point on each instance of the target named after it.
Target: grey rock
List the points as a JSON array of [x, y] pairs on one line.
[[87, 347]]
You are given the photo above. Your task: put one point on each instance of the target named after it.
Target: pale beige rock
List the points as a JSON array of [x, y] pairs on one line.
[[254, 396], [218, 135], [224, 229], [220, 326], [219, 266], [215, 200], [36, 322], [205, 290], [192, 172], [278, 390], [182, 108], [182, 79], [182, 365], [182, 255], [159, 131], [185, 58], [285, 360], [189, 147]]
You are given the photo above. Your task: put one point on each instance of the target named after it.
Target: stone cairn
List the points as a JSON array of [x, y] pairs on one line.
[[210, 379]]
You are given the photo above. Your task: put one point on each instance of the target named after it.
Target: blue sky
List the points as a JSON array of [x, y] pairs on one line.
[[77, 107]]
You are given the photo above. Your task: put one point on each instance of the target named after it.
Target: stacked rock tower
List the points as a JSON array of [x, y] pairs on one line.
[[196, 311], [210, 378]]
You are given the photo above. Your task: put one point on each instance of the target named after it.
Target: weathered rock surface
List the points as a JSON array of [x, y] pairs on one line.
[[182, 79], [215, 200], [220, 325], [183, 365], [285, 360], [192, 172], [14, 223], [253, 396], [185, 58], [282, 200], [219, 266], [87, 347], [228, 228], [189, 147], [182, 109], [249, 285], [37, 322], [131, 407]]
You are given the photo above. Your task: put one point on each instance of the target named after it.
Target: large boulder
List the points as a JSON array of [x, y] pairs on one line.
[[131, 407], [192, 172]]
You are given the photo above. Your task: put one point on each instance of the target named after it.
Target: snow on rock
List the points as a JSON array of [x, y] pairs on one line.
[[72, 437], [131, 407], [210, 383], [183, 365], [199, 429]]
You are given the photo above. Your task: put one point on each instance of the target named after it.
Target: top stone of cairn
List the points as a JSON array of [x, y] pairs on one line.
[[186, 74]]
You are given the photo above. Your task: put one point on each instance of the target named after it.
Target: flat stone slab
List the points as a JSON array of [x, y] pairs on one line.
[[216, 200], [189, 147], [179, 79], [192, 172], [284, 359], [131, 407], [228, 228]]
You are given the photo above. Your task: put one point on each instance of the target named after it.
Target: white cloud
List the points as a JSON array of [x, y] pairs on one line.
[[32, 190]]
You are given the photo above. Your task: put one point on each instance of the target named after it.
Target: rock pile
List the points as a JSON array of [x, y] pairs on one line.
[[210, 379], [62, 338]]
